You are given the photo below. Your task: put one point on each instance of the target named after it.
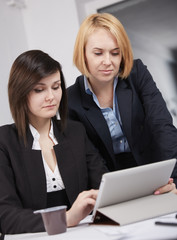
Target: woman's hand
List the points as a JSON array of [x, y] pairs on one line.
[[169, 187], [82, 207]]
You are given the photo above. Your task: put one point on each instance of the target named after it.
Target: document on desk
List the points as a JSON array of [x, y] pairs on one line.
[[127, 196]]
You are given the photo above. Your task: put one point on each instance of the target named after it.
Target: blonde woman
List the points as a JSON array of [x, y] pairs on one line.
[[117, 100]]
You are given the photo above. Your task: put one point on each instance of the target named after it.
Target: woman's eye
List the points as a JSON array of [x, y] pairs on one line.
[[38, 90], [115, 53], [98, 53], [56, 87]]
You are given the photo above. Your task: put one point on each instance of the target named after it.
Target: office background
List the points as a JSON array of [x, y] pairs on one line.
[[52, 25]]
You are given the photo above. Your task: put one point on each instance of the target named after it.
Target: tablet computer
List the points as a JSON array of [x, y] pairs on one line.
[[124, 185]]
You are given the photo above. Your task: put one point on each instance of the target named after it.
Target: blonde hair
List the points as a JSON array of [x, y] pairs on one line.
[[114, 26]]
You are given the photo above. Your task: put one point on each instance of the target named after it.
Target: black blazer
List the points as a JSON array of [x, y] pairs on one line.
[[22, 176], [146, 122]]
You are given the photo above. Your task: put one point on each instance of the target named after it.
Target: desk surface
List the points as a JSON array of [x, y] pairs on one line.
[[144, 230]]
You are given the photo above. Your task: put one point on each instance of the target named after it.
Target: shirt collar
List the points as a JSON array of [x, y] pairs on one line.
[[36, 136], [51, 133], [34, 132], [88, 88]]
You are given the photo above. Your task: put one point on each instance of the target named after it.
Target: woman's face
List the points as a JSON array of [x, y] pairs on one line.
[[44, 99], [103, 56]]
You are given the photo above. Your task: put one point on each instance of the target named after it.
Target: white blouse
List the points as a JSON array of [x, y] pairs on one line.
[[53, 179]]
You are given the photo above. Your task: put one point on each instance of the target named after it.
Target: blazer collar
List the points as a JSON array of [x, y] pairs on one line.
[[35, 170], [124, 95], [95, 117], [65, 158], [125, 100]]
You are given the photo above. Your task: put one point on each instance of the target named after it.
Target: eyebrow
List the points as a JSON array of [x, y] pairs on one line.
[[97, 48]]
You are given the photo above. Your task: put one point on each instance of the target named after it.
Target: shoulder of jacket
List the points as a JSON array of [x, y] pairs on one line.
[[138, 65], [8, 133], [77, 83], [8, 128], [71, 124]]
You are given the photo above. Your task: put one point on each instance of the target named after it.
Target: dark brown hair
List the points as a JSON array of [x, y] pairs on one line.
[[27, 70]]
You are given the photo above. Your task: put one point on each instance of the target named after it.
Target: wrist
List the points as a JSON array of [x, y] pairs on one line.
[[70, 222]]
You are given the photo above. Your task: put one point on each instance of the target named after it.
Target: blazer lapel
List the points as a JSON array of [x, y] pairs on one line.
[[95, 117], [124, 96], [35, 174], [67, 166]]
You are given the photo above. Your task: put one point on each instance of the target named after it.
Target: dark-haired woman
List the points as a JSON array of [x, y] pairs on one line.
[[44, 161]]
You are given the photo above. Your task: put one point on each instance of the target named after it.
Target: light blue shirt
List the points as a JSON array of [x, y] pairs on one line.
[[112, 117]]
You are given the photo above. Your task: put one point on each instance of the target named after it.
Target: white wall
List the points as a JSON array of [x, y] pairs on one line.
[[52, 25], [12, 42], [86, 7], [49, 25]]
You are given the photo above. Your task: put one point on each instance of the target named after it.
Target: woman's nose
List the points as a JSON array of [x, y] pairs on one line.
[[49, 96], [106, 60]]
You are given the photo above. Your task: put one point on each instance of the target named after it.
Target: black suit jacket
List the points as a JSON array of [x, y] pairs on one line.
[[146, 122], [22, 176]]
